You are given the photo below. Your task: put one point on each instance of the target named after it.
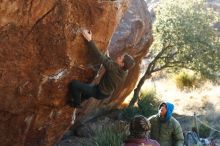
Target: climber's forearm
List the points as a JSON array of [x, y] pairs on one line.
[[92, 46], [87, 34]]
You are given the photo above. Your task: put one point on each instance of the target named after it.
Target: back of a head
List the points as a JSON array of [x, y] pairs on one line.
[[139, 126], [128, 62]]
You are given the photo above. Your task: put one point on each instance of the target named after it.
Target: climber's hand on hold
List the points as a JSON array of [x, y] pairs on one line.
[[87, 34]]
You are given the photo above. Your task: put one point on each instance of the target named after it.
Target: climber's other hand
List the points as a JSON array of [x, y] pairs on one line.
[[87, 34]]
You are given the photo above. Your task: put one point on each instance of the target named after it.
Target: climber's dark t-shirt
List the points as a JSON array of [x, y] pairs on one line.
[[113, 76]]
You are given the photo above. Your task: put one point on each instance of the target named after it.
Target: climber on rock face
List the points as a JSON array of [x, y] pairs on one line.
[[116, 72]]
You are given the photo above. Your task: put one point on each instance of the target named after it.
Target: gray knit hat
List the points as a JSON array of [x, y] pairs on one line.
[[139, 126], [128, 62]]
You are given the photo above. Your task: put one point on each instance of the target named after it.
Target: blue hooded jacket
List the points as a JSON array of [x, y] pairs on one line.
[[167, 131], [170, 108]]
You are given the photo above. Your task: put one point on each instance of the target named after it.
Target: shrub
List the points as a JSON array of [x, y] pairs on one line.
[[129, 112], [185, 80], [147, 106], [148, 103], [111, 135], [204, 131]]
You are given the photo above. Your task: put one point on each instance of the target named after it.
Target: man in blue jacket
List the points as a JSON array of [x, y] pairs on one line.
[[165, 128]]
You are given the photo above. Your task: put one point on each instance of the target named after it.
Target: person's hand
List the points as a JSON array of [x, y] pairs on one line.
[[87, 34]]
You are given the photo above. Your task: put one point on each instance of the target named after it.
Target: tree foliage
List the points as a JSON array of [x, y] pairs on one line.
[[184, 32], [185, 37]]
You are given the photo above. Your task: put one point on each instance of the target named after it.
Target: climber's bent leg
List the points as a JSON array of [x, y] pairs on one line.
[[75, 93], [80, 90], [100, 96], [90, 92]]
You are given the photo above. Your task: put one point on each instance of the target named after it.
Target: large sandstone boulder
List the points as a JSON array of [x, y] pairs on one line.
[[42, 50]]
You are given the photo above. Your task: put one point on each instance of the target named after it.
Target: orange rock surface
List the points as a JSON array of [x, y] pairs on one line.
[[42, 50]]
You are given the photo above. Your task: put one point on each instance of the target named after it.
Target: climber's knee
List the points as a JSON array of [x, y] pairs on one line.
[[74, 84], [101, 96]]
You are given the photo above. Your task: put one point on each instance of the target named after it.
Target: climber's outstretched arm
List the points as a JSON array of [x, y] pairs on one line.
[[88, 36], [107, 62]]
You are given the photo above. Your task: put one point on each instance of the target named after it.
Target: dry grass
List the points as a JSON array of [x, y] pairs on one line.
[[203, 100]]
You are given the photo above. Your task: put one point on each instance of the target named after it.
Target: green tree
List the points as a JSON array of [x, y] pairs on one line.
[[185, 37]]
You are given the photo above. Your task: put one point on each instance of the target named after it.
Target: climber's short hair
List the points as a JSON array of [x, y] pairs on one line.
[[128, 61]]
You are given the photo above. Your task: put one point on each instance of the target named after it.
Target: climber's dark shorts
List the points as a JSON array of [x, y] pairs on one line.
[[81, 91]]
